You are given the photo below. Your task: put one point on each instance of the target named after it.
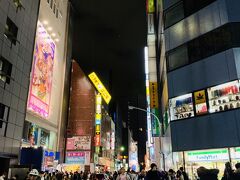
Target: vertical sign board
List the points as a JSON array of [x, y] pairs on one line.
[[42, 73], [154, 109], [98, 117], [155, 123]]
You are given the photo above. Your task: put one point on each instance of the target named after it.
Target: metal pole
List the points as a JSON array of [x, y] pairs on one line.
[[184, 164]]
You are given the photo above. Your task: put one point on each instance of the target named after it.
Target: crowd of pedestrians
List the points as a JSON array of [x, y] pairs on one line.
[[153, 174]]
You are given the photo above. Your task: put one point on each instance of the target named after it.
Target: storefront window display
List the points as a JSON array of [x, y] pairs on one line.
[[36, 136], [181, 107], [224, 97]]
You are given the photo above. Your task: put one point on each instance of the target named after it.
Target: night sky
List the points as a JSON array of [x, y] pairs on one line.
[[109, 37]]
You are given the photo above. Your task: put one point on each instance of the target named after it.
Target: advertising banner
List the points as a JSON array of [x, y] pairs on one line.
[[113, 140], [133, 156], [153, 95], [108, 141], [98, 118], [78, 157], [155, 123], [42, 73], [79, 143], [97, 140], [100, 87]]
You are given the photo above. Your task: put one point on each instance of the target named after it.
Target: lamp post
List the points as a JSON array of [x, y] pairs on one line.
[[141, 109]]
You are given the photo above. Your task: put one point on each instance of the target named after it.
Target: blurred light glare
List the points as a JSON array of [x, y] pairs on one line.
[[45, 22]]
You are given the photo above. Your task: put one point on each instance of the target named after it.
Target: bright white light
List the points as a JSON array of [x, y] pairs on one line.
[[57, 40], [35, 147], [53, 34], [49, 28], [45, 22], [44, 147], [146, 60]]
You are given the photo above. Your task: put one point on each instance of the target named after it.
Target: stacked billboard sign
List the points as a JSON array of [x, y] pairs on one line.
[[42, 73], [78, 150], [98, 117]]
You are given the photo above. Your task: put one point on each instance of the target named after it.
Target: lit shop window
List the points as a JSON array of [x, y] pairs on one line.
[[224, 97], [5, 70], [181, 107], [200, 102]]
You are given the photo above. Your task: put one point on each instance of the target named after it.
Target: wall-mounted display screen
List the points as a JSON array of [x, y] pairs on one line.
[[181, 107], [42, 73], [224, 97]]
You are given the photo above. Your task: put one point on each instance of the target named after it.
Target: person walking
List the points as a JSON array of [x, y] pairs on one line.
[[236, 173], [123, 175], [207, 174], [154, 174], [142, 175], [228, 172], [171, 174], [2, 176], [185, 176]]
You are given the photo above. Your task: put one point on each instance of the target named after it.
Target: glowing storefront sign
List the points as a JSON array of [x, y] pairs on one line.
[[42, 73], [206, 156], [98, 117], [79, 143], [78, 157], [100, 87]]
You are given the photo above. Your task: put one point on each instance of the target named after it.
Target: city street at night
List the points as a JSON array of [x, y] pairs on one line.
[[119, 90]]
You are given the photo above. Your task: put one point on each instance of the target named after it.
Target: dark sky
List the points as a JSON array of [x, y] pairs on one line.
[[109, 38]]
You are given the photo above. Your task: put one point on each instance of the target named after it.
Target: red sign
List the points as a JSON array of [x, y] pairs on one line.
[[97, 140]]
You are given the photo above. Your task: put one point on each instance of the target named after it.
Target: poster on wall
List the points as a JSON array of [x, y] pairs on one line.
[[78, 157], [42, 73], [79, 143]]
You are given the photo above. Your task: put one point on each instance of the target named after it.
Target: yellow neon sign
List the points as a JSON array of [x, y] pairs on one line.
[[100, 87]]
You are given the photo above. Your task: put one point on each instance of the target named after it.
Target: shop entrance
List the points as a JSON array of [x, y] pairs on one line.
[[4, 165]]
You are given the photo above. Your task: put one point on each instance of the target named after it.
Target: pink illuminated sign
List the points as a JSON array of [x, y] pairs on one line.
[[42, 72]]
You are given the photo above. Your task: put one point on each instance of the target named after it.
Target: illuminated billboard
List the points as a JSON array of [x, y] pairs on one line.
[[100, 87], [42, 73], [98, 118]]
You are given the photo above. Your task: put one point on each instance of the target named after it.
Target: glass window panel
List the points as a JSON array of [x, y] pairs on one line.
[[178, 58], [174, 14]]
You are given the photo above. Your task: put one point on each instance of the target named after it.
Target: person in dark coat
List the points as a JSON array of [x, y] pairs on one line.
[[236, 173], [154, 174], [185, 176], [207, 174], [228, 172]]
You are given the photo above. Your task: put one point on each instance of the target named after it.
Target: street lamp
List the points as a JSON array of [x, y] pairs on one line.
[[140, 109], [122, 148]]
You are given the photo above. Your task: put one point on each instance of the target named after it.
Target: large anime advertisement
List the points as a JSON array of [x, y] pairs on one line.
[[42, 73]]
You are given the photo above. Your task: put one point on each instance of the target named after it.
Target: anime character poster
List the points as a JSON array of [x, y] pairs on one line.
[[42, 73]]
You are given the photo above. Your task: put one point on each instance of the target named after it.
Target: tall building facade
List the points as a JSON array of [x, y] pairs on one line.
[[18, 23], [198, 52], [44, 121]]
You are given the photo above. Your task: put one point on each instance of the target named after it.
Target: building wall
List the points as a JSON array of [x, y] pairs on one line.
[[20, 56], [58, 25], [212, 130], [207, 132], [207, 72], [82, 103]]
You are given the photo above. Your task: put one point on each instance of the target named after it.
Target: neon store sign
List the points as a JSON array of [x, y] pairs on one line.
[[42, 73]]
